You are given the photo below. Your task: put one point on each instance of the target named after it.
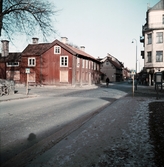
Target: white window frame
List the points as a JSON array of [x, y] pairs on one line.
[[149, 57], [86, 64], [89, 64], [98, 67], [63, 61], [159, 56], [159, 37], [78, 62], [149, 38], [92, 65], [83, 63], [13, 64], [57, 49], [31, 64]]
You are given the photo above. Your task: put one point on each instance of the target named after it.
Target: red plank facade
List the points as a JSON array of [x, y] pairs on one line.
[[56, 63]]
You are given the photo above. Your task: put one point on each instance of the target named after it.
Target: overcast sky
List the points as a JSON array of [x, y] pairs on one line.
[[102, 26]]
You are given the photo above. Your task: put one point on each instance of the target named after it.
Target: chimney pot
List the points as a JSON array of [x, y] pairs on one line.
[[35, 40], [82, 48], [5, 48], [64, 40]]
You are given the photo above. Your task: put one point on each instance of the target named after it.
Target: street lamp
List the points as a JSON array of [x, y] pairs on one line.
[[136, 52]]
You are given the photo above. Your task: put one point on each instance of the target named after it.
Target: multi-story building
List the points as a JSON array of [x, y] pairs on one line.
[[153, 41]]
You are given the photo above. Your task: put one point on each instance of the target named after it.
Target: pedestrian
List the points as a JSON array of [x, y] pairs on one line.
[[107, 81]]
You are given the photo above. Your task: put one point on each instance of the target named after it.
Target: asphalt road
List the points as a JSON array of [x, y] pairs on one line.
[[25, 124]]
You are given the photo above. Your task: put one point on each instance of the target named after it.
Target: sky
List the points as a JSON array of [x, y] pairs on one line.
[[102, 26]]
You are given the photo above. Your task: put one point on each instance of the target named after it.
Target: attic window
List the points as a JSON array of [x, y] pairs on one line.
[[57, 49], [12, 64]]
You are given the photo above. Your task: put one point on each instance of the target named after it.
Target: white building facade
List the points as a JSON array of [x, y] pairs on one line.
[[153, 41]]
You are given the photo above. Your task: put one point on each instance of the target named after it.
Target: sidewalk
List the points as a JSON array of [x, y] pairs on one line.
[[21, 94], [117, 136], [16, 97]]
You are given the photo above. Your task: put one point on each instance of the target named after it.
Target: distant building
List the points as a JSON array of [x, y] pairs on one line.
[[153, 41], [112, 68], [126, 73]]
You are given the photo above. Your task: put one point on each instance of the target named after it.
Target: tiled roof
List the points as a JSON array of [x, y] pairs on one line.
[[36, 49], [15, 56], [73, 50], [39, 49], [80, 52], [116, 63], [118, 66]]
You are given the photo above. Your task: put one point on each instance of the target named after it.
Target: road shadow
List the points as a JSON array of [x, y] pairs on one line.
[[17, 147], [31, 137]]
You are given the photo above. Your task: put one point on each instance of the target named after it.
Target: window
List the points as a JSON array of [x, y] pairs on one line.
[[163, 19], [64, 61], [86, 63], [83, 63], [94, 66], [57, 49], [149, 38], [149, 57], [89, 65], [98, 67], [13, 75], [78, 62], [31, 61], [159, 37], [12, 64], [159, 56]]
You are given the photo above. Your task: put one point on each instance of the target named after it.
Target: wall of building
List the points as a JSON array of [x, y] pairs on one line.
[[155, 25], [108, 69], [155, 18]]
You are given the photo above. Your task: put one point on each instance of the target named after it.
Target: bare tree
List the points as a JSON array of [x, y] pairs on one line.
[[26, 16]]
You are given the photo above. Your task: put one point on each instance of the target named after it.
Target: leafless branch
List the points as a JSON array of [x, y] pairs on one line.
[[27, 16]]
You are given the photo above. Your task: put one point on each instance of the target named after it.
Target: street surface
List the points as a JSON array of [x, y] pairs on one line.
[[31, 123]]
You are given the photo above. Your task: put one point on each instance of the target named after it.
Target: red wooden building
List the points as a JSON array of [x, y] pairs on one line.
[[55, 63], [9, 63]]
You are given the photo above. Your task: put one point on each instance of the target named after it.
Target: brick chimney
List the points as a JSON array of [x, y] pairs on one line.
[[5, 48], [64, 40], [35, 40], [82, 48]]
